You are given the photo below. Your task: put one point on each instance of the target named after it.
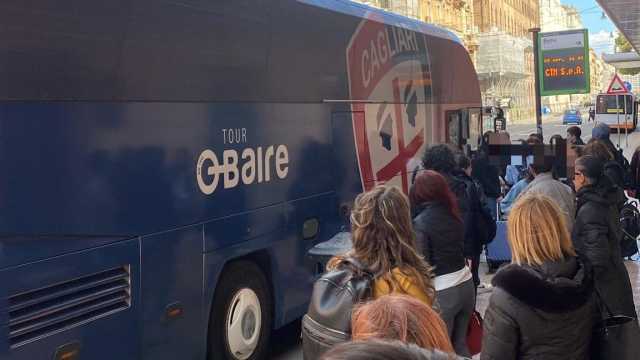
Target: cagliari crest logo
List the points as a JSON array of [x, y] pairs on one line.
[[388, 69]]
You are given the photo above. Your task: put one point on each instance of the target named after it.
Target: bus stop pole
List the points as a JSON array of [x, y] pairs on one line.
[[536, 72], [626, 129], [618, 117]]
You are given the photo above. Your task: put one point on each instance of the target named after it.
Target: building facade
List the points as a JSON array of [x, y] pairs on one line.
[[496, 34], [554, 16], [634, 80], [558, 17], [409, 8], [503, 27], [514, 17], [455, 15]]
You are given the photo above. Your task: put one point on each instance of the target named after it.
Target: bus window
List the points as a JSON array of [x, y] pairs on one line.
[[612, 104]]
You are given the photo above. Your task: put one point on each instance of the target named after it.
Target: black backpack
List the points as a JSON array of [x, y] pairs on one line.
[[630, 226], [485, 224], [328, 320], [615, 172], [626, 172]]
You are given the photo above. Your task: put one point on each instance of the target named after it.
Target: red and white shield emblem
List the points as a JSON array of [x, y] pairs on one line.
[[390, 83]]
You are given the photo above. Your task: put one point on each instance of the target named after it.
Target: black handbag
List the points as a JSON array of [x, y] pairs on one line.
[[615, 336]]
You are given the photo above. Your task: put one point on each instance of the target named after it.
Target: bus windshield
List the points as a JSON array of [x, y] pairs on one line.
[[612, 104]]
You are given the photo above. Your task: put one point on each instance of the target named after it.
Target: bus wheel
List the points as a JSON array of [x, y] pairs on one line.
[[240, 323]]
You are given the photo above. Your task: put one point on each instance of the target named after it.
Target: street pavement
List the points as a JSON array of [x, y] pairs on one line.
[[552, 125], [286, 342]]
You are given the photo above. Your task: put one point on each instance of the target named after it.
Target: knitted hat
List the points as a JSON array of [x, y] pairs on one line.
[[600, 132]]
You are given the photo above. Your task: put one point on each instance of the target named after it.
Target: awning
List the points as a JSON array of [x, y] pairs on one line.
[[622, 60], [625, 14]]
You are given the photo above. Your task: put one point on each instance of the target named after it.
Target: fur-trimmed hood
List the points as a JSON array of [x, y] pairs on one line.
[[553, 287]]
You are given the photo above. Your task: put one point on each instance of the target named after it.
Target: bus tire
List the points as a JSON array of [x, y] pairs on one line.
[[240, 323]]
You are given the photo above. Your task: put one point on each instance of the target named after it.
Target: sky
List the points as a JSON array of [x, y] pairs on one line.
[[599, 29]]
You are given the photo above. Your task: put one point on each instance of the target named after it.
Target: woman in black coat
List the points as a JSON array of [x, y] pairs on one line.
[[440, 234], [542, 306], [441, 158], [596, 234]]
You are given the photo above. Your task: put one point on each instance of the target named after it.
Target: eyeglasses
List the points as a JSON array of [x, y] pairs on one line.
[[577, 173]]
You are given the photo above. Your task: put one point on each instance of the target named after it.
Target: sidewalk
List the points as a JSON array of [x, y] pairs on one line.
[[633, 267], [289, 347]]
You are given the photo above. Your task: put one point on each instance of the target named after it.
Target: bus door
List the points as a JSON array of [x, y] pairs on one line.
[[475, 124], [464, 127], [454, 128]]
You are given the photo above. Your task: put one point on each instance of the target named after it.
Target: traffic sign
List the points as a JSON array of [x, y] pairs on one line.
[[617, 86]]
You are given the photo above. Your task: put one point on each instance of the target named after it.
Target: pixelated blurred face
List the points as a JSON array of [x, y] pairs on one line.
[[579, 180]]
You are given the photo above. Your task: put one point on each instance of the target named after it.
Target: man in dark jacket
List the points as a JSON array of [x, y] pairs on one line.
[[574, 136], [602, 133], [441, 158], [544, 183], [596, 234]]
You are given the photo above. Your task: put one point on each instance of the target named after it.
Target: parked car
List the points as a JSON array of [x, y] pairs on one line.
[[572, 116]]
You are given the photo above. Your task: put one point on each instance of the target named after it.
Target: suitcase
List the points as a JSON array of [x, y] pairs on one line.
[[498, 250], [630, 228]]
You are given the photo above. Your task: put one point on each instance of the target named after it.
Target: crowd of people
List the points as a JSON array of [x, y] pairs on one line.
[[421, 253]]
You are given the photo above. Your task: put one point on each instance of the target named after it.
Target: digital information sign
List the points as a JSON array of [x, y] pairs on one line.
[[564, 62]]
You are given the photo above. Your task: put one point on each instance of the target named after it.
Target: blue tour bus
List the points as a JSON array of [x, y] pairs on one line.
[[167, 165]]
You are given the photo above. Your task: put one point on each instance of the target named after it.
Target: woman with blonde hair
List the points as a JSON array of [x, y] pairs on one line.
[[401, 317], [384, 244], [542, 305]]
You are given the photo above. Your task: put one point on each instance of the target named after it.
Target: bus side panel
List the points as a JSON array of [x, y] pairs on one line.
[[238, 236], [73, 290], [172, 311], [131, 168], [293, 269], [235, 230], [277, 233], [348, 182]]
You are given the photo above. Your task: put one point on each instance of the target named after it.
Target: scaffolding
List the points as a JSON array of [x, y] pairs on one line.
[[505, 72], [502, 53], [409, 8]]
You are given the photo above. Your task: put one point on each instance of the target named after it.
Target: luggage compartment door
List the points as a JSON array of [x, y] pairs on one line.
[[78, 306]]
